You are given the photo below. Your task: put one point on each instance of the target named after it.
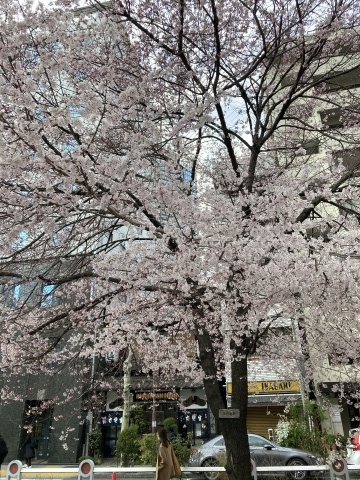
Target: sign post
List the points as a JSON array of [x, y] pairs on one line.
[[337, 468], [229, 413]]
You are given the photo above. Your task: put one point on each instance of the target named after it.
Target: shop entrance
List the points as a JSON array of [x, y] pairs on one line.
[[262, 419], [39, 419], [111, 427]]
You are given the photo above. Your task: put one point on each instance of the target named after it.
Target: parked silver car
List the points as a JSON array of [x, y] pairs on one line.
[[262, 451]]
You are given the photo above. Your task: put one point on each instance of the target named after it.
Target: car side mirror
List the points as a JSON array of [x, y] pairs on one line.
[[267, 446]]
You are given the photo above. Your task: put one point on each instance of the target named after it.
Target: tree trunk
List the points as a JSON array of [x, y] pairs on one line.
[[127, 394], [235, 430]]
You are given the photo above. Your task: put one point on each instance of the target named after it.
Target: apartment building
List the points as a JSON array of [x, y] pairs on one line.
[[323, 134]]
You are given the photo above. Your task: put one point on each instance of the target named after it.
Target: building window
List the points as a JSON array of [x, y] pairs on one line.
[[21, 240], [340, 81], [331, 118], [164, 214], [17, 295], [7, 295], [186, 176], [349, 158], [340, 359], [70, 146], [339, 117], [30, 56], [48, 297], [39, 114], [309, 147], [75, 111]]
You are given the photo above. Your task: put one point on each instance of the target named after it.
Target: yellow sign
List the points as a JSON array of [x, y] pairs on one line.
[[144, 396], [273, 386]]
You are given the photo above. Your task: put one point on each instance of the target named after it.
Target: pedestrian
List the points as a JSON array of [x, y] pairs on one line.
[[185, 436], [205, 432], [184, 432], [165, 468], [171, 433], [3, 449], [30, 444]]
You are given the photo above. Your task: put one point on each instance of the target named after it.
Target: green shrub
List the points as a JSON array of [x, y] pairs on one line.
[[149, 445], [85, 457], [328, 439], [298, 429], [95, 438], [137, 417], [181, 449], [171, 422], [300, 436], [128, 446]]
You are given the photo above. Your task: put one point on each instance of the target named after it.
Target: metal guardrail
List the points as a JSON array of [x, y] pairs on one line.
[[87, 469]]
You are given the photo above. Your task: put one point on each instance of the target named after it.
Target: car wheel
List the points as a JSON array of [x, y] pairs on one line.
[[210, 462], [297, 475]]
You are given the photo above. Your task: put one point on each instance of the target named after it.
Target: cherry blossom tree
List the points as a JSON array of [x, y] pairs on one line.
[[161, 187]]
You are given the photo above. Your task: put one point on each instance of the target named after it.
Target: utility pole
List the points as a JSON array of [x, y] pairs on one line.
[[301, 363], [153, 413], [127, 393]]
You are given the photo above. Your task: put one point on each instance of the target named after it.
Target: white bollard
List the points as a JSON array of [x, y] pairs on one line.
[[86, 470], [13, 471]]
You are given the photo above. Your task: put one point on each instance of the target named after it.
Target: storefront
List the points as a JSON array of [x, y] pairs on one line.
[[266, 402], [263, 419], [111, 427], [193, 411], [158, 405]]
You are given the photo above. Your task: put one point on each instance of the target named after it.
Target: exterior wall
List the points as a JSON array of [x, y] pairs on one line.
[[333, 117], [338, 387], [61, 420], [336, 417], [11, 415]]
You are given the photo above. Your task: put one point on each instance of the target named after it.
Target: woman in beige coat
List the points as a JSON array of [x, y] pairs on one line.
[[164, 464]]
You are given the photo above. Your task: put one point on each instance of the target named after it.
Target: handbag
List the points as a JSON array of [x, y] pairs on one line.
[[176, 464]]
